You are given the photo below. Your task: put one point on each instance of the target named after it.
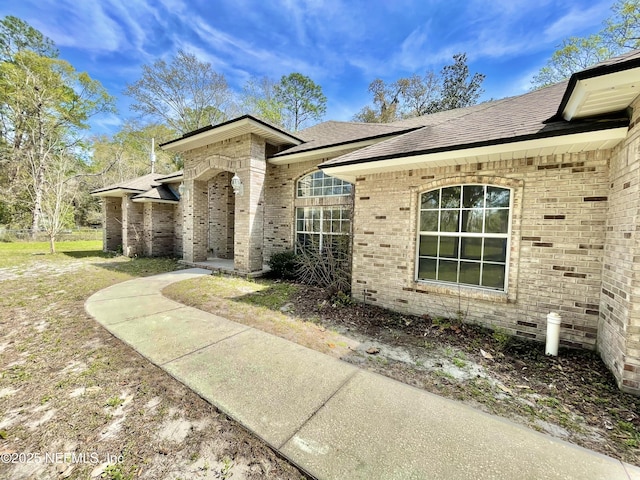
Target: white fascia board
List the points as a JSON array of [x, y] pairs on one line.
[[470, 155], [153, 200], [229, 130], [117, 192]]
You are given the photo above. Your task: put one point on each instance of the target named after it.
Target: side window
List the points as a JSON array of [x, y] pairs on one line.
[[321, 227], [464, 235]]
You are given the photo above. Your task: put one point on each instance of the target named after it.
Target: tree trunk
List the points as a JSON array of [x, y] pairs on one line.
[[39, 181], [52, 244]]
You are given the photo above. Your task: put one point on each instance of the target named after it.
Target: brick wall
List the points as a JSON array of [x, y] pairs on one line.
[[112, 221], [221, 216], [177, 229], [619, 326], [244, 155], [558, 232], [132, 227], [158, 228]]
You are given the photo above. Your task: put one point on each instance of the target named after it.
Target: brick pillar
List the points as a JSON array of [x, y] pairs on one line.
[[112, 224], [147, 229], [249, 211], [132, 227], [195, 221]]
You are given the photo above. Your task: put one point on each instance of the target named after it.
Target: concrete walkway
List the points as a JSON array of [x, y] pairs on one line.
[[328, 417]]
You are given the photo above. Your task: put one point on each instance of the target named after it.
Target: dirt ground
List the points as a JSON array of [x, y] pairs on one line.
[[572, 396], [77, 403]]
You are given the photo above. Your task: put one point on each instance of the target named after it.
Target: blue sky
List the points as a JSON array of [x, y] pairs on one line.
[[341, 44]]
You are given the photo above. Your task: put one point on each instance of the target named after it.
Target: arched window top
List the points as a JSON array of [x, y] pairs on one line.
[[464, 235], [318, 184]]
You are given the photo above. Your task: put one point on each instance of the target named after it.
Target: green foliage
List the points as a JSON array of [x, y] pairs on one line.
[[44, 104], [17, 35], [114, 402], [501, 337], [414, 96], [341, 299], [301, 99], [283, 265], [258, 99], [620, 32]]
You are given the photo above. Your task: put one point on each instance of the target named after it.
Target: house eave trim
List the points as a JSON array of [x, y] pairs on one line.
[[230, 129], [504, 150], [117, 192]]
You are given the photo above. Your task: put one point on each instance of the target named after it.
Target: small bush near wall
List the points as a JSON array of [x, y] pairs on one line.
[[283, 265]]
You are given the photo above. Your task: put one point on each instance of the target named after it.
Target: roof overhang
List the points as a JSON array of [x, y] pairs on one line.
[[233, 128], [600, 90], [554, 145], [326, 152], [116, 192], [171, 179], [153, 200]]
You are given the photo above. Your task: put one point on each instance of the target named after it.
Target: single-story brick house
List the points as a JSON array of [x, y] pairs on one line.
[[507, 210]]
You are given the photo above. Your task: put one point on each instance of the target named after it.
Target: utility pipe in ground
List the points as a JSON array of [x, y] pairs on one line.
[[553, 334]]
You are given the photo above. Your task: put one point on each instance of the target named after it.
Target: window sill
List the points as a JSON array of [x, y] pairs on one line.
[[463, 291]]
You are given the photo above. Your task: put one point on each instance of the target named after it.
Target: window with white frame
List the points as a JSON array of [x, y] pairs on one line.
[[327, 226], [464, 235], [318, 184]]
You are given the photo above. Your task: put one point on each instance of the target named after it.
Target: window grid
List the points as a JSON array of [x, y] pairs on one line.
[[318, 184], [321, 225], [472, 222]]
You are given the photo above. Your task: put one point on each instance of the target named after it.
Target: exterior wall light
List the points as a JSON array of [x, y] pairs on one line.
[[236, 184], [183, 191]]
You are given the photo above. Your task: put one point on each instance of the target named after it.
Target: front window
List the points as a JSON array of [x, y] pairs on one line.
[[320, 228], [325, 226], [464, 235]]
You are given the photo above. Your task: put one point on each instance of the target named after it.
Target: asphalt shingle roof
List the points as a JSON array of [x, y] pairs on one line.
[[141, 184], [511, 119], [161, 192], [332, 133]]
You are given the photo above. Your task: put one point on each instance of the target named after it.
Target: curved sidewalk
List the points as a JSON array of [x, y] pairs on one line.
[[330, 418]]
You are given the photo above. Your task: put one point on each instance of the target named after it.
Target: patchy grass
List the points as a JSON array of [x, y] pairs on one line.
[[68, 386], [263, 304]]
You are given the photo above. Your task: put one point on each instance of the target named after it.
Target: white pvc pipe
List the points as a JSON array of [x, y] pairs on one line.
[[553, 334]]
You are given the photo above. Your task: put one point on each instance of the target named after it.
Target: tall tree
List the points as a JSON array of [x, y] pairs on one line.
[[414, 96], [44, 103], [127, 154], [185, 93], [621, 32], [17, 35], [58, 193], [258, 98], [459, 88], [302, 101]]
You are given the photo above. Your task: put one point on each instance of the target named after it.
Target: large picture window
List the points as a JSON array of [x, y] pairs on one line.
[[464, 235]]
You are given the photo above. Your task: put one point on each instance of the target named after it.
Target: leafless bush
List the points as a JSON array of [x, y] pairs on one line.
[[327, 268]]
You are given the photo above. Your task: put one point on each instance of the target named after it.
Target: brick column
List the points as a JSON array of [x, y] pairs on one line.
[[112, 223], [147, 229], [195, 221], [249, 211], [132, 227]]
